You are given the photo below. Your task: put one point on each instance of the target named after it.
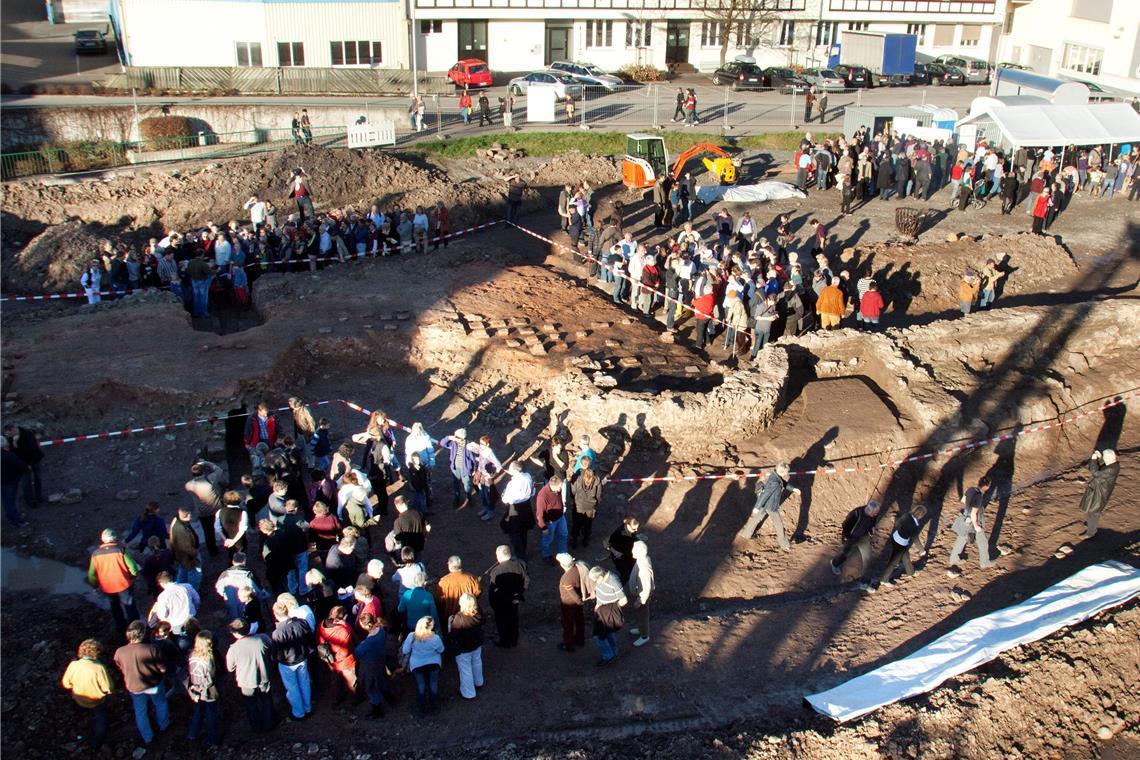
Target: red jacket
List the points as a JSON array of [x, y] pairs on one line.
[[871, 305], [1041, 206], [704, 305], [111, 569], [253, 431], [341, 641]]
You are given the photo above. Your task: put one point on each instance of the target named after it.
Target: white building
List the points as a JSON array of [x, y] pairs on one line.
[[319, 33], [1094, 41], [520, 35]]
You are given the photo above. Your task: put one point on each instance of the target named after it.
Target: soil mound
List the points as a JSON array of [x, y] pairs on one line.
[[53, 260]]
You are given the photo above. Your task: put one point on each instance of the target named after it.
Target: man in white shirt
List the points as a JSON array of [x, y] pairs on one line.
[[175, 604], [256, 209], [519, 517]]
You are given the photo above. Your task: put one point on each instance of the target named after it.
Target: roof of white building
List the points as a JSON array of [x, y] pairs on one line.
[[1048, 124]]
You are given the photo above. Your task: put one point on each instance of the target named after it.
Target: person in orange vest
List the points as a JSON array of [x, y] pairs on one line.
[[113, 572], [830, 305]]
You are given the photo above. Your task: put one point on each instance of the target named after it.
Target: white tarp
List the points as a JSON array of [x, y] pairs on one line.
[[758, 193], [1074, 599], [1051, 125]]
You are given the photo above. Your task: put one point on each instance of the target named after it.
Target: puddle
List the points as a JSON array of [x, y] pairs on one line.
[[20, 573]]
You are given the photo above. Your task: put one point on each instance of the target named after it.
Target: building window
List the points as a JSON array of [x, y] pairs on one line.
[[248, 53], [857, 26], [290, 54], [638, 33], [918, 30], [1083, 59], [431, 26], [971, 35], [710, 33], [826, 32], [599, 34], [943, 35], [787, 33], [744, 36], [355, 53]]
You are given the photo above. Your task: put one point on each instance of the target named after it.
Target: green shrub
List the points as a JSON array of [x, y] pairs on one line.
[[164, 132]]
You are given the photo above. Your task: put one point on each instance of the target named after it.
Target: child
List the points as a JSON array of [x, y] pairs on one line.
[[89, 683]]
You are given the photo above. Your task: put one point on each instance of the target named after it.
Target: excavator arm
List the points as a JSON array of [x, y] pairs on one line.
[[696, 150]]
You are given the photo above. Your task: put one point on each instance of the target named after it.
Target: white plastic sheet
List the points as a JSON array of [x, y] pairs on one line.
[[1074, 599], [768, 190]]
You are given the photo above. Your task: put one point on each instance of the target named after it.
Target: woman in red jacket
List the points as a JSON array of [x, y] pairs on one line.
[[441, 224], [1041, 210], [336, 634], [703, 305], [871, 306]]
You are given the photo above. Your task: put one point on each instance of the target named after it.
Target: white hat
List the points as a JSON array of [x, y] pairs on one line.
[[461, 433]]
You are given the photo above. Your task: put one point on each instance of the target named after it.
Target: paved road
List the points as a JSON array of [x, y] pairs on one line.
[[35, 51]]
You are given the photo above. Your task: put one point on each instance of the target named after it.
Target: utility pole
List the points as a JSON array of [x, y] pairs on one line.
[[412, 40]]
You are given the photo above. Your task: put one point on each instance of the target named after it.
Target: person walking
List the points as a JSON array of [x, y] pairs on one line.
[[856, 532], [27, 447], [550, 516], [113, 571], [423, 652], [574, 590], [1040, 211], [679, 109], [1103, 471], [248, 659], [144, 667], [771, 490], [968, 525], [89, 682], [907, 527], [462, 462], [201, 687], [465, 634], [821, 103], [484, 110], [640, 589], [465, 106], [809, 104], [507, 585]]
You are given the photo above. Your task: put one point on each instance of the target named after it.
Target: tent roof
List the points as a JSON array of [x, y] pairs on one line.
[[1048, 124]]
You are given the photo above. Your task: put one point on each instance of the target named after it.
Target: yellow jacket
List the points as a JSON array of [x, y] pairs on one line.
[[88, 681]]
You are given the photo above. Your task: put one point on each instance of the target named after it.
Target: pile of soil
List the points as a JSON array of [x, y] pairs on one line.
[[53, 260]]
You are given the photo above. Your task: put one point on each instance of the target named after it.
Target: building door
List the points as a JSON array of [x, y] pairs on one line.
[[557, 42], [677, 42], [473, 40]]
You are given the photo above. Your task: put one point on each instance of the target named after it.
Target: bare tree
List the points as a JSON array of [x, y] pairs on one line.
[[749, 20]]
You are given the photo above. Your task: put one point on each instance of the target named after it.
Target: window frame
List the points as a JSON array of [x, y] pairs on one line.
[[599, 33], [295, 60], [248, 48], [363, 53]]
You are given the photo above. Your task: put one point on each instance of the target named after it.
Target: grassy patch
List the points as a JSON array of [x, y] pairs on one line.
[[603, 143]]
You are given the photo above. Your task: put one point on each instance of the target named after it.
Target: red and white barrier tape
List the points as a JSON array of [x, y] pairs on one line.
[[263, 265], [665, 297], [159, 426], [893, 464]]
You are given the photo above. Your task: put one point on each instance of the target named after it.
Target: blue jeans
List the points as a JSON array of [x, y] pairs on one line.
[[1107, 188], [485, 495], [297, 687], [554, 533], [8, 495], [461, 485], [192, 576], [986, 298], [140, 700], [205, 712], [607, 646], [99, 724], [513, 211], [420, 501], [201, 304], [427, 685], [619, 290], [296, 578]]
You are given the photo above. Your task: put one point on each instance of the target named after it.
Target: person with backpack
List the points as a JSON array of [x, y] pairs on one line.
[[856, 533]]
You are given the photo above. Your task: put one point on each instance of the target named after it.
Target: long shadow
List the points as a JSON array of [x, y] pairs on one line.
[[998, 485], [815, 456]]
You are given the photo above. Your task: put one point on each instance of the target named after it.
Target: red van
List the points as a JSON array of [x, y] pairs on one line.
[[470, 72]]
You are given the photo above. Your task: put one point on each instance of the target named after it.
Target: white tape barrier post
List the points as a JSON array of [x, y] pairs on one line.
[[1077, 598]]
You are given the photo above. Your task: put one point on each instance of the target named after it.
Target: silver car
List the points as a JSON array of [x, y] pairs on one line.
[[562, 84], [587, 74], [824, 79]]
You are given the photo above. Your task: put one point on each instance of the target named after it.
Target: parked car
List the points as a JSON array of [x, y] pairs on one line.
[[824, 79], [941, 74], [739, 75], [975, 71], [560, 83], [471, 73], [1018, 66], [854, 76], [920, 75], [787, 80], [587, 74], [90, 41]]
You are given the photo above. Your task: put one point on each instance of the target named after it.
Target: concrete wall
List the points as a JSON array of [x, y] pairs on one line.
[[29, 126]]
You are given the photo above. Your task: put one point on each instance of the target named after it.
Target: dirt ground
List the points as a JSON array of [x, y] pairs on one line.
[[501, 335]]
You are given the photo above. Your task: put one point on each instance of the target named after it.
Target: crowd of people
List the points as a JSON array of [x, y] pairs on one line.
[[219, 262], [327, 587]]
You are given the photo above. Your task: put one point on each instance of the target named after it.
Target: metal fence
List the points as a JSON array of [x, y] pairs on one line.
[[286, 80]]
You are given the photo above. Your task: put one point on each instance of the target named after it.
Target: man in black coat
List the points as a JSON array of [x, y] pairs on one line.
[[856, 531], [27, 448], [1103, 470], [508, 583]]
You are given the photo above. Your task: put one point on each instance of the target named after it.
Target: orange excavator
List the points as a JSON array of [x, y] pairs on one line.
[[646, 160]]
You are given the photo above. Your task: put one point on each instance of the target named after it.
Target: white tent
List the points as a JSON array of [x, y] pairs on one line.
[[1044, 125]]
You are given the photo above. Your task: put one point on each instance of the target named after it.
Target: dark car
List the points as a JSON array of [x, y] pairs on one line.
[[739, 75], [920, 75], [854, 76], [783, 79], [90, 41], [941, 74]]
